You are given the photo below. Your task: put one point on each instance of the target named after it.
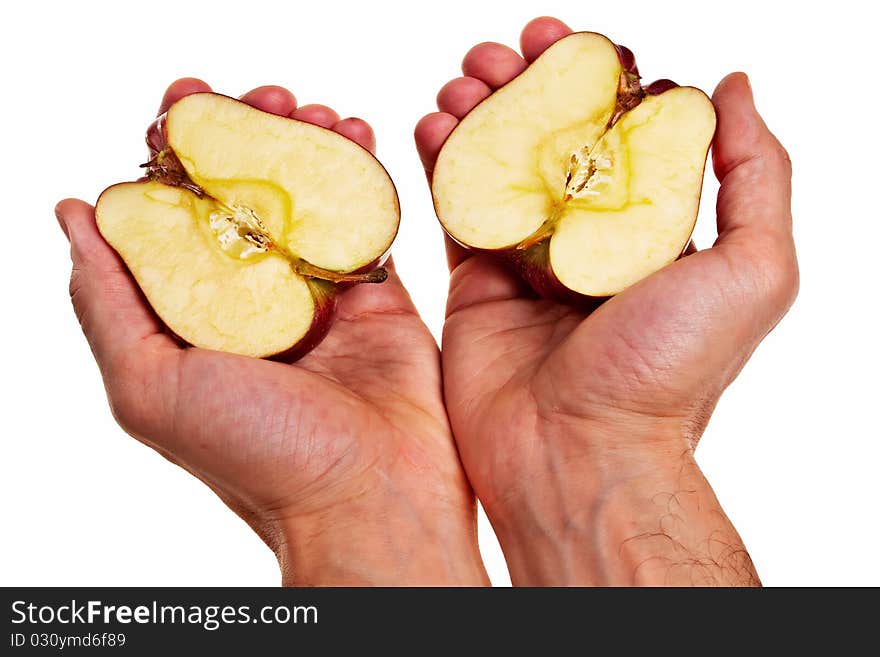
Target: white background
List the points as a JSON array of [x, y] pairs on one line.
[[793, 448]]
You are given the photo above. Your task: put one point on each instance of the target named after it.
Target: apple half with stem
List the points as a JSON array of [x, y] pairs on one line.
[[248, 225], [575, 173]]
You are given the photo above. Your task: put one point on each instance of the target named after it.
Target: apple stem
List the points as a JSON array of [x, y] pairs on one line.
[[547, 229], [544, 231], [629, 94], [308, 270], [164, 167]]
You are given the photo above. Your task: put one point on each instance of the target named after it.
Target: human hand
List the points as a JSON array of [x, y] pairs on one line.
[[577, 432], [342, 462]]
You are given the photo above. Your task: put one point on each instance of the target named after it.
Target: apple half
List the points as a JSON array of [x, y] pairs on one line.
[[577, 174], [248, 225]]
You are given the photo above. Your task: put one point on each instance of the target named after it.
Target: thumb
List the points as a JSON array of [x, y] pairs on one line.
[[110, 307], [754, 200], [752, 166]]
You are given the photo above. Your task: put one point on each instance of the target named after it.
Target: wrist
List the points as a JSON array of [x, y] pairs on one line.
[[383, 543], [619, 513]]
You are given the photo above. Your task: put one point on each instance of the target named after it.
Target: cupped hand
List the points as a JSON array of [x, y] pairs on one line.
[[343, 462], [578, 428]]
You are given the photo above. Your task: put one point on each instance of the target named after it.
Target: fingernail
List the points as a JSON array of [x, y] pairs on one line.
[[751, 94], [749, 86], [61, 221]]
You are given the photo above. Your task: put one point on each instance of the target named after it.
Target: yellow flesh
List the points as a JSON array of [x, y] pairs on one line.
[[503, 172], [312, 193], [642, 219], [210, 299], [325, 199]]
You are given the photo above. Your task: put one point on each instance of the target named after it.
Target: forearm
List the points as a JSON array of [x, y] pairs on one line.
[[623, 522]]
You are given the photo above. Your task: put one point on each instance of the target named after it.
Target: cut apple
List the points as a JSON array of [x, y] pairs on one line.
[[248, 224], [584, 179]]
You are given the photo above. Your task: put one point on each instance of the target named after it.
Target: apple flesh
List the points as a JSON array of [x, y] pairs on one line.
[[583, 179], [248, 225]]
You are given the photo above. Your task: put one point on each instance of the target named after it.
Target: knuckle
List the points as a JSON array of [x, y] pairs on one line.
[[781, 276], [122, 412], [76, 289], [792, 282], [125, 392], [781, 155]]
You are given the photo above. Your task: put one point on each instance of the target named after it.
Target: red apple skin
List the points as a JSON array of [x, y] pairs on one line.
[[157, 137], [324, 293], [533, 263], [657, 87], [627, 59]]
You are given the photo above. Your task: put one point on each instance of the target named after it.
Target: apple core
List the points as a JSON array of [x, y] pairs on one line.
[[239, 232]]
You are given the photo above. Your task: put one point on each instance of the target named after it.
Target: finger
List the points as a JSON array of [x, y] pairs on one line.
[[690, 249], [358, 130], [461, 95], [180, 88], [455, 252], [493, 63], [114, 315], [479, 280], [271, 98], [390, 296], [751, 165], [430, 133], [539, 34], [317, 114]]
